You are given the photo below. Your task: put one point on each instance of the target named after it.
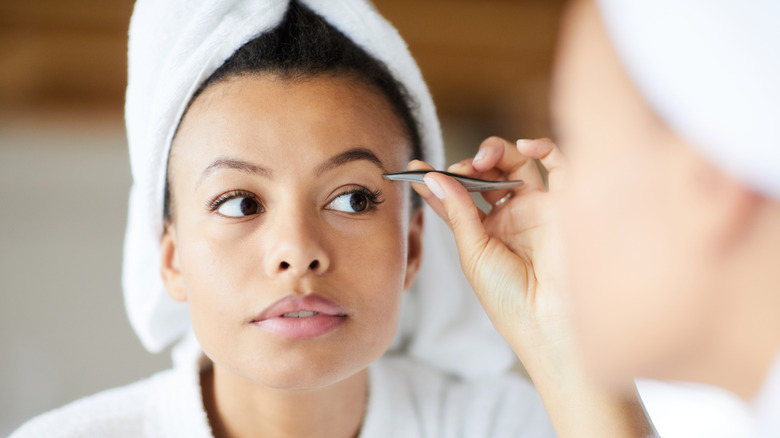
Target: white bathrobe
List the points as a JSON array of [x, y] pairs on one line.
[[407, 399]]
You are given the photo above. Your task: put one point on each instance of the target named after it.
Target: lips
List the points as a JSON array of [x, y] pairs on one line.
[[297, 317]]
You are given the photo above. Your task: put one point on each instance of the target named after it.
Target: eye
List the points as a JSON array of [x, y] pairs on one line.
[[237, 205], [355, 201]]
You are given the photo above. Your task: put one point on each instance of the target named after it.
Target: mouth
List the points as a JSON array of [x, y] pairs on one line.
[[301, 316]]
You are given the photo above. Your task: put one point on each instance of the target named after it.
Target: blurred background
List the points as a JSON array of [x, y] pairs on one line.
[[65, 176]]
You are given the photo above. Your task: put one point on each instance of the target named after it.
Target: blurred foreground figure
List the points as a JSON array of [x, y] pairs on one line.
[[669, 113], [666, 209]]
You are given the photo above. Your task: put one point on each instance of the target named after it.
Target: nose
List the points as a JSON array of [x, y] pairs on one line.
[[295, 248]]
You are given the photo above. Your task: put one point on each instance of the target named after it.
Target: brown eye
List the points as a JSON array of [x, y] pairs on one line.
[[352, 202], [249, 206], [358, 202], [240, 206]]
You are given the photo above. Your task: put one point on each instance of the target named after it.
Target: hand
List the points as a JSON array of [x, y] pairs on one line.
[[510, 255], [512, 258]]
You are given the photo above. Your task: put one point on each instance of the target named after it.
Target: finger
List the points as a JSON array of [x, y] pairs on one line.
[[462, 216], [528, 173], [497, 197], [531, 176], [545, 150], [551, 157], [430, 199], [423, 190], [462, 167], [418, 165], [497, 153], [436, 204], [465, 168]]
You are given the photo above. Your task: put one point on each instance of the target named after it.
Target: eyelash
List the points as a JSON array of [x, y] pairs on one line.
[[373, 196], [213, 204]]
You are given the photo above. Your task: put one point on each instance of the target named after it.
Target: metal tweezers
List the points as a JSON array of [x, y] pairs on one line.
[[471, 184]]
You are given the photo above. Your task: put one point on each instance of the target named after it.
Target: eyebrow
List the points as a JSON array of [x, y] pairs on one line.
[[348, 156], [232, 163]]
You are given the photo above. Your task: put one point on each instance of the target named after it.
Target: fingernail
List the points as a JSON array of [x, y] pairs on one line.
[[457, 165], [434, 187], [480, 155], [522, 142]]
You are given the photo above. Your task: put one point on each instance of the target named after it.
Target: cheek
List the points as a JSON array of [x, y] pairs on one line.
[[627, 260], [369, 271], [374, 265], [216, 275]]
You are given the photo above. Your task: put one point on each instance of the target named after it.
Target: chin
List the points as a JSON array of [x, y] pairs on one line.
[[304, 375], [307, 367]]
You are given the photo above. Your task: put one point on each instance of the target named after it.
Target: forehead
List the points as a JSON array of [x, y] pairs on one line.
[[269, 117]]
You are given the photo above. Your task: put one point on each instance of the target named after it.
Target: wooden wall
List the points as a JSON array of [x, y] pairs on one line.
[[486, 61]]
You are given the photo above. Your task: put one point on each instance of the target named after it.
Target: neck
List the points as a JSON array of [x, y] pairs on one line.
[[745, 356], [743, 340], [240, 408]]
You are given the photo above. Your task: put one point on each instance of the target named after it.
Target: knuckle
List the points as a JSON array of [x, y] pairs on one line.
[[494, 141], [457, 220]]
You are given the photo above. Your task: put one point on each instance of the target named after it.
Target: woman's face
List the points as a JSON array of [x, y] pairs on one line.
[[288, 246], [638, 241]]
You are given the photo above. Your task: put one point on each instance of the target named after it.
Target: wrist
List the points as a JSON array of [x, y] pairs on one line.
[[577, 403]]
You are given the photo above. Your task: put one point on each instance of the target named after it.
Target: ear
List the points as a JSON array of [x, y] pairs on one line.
[[169, 265], [414, 248]]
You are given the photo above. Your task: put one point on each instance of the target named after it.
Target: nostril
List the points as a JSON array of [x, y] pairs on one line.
[[314, 265], [284, 266]]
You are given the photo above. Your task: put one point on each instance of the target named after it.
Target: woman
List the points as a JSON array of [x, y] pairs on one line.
[[669, 207], [268, 245]]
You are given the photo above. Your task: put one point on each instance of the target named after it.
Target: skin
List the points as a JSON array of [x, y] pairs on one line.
[[229, 269], [669, 267], [670, 258]]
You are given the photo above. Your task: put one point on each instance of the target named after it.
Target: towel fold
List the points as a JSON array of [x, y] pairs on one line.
[[709, 69]]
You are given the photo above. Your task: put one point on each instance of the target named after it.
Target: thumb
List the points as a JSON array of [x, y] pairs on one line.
[[462, 216]]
